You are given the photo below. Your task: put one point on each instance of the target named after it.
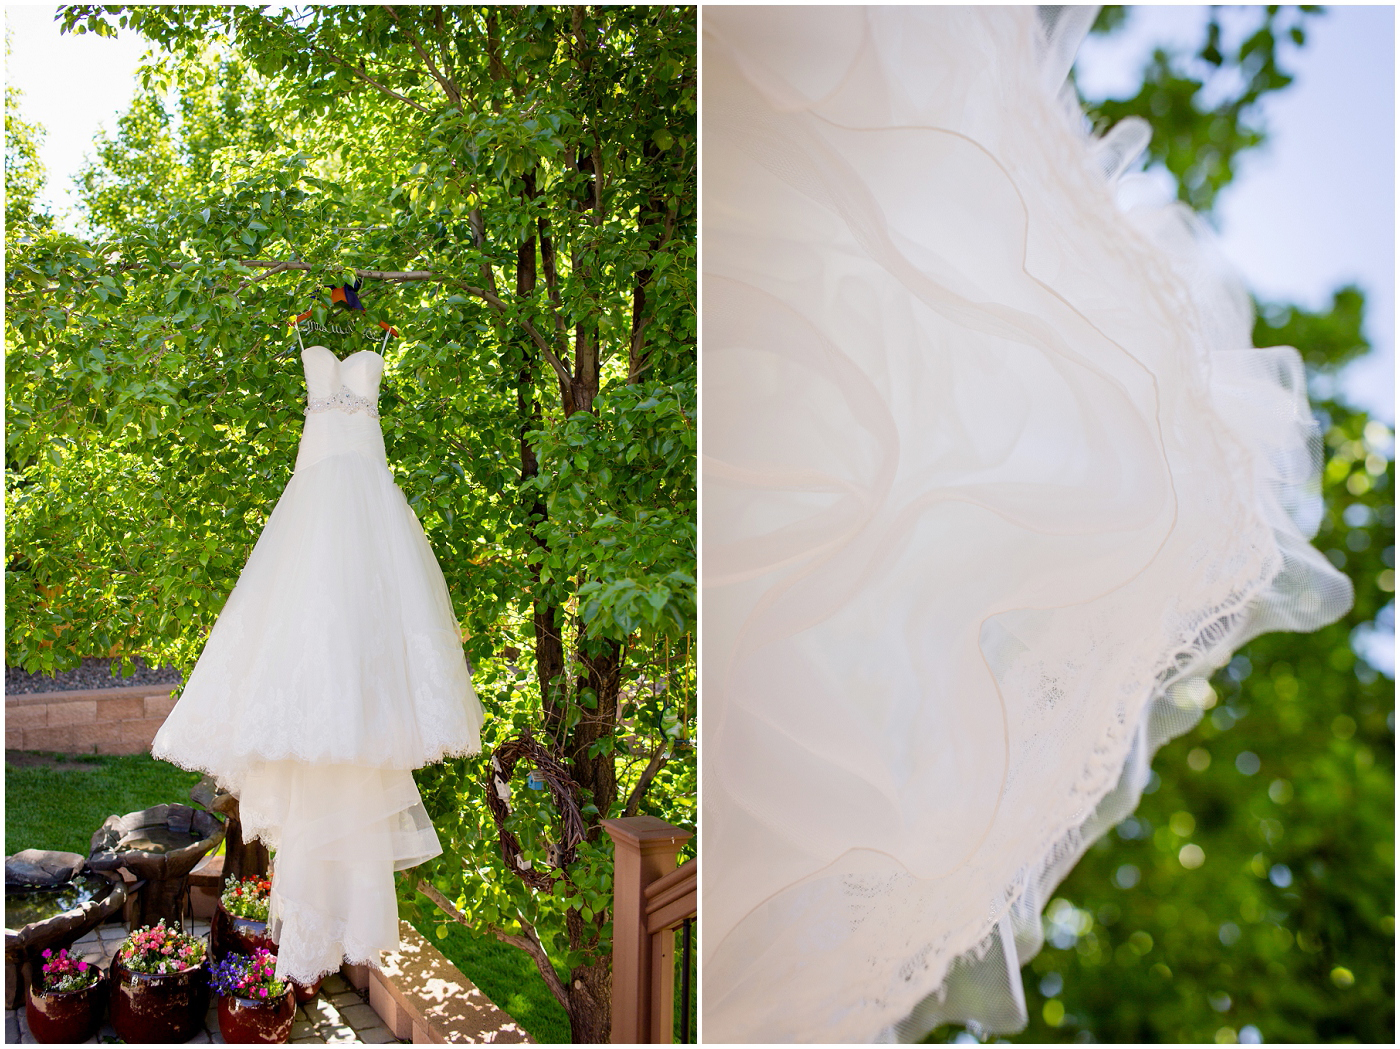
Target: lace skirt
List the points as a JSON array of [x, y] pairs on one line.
[[335, 668]]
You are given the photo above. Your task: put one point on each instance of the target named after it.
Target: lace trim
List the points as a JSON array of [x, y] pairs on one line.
[[343, 400], [311, 945]]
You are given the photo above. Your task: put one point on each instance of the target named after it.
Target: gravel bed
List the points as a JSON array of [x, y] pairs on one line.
[[93, 673]]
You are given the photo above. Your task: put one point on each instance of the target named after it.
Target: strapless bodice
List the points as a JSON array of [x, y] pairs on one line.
[[341, 414]]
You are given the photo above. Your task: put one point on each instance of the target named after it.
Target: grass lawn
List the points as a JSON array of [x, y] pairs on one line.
[[57, 801]]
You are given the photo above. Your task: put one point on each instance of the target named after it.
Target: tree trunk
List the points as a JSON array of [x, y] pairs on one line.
[[597, 775], [590, 1002], [549, 642], [242, 859], [638, 358]]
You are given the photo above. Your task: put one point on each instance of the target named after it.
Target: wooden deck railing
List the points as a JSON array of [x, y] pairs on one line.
[[652, 897]]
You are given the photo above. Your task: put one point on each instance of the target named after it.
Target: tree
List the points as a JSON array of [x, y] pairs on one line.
[[24, 171], [516, 189], [1279, 924]]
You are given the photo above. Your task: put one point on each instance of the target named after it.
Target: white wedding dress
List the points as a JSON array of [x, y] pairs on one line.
[[994, 480], [334, 670]]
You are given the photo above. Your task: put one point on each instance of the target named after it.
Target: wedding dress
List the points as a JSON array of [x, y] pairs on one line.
[[335, 669], [994, 480]]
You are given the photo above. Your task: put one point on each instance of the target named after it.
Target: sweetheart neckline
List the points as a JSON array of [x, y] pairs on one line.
[[341, 360]]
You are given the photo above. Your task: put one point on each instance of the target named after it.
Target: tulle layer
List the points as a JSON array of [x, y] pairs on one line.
[[993, 480], [339, 831], [339, 643]]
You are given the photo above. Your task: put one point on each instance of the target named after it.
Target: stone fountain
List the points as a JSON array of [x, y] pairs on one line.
[[52, 899], [159, 845]]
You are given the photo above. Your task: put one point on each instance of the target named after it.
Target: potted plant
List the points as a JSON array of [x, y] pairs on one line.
[[240, 924], [160, 987], [254, 1006], [65, 1003], [240, 920]]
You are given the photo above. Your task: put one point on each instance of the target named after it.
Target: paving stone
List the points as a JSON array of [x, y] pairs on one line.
[[301, 1029], [340, 1036], [360, 1015], [319, 1010], [376, 1035], [11, 1026], [340, 1001], [334, 984], [307, 1041], [201, 1037]]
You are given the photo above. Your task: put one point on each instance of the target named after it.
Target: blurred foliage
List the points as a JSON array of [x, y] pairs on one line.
[[1204, 105], [1251, 896]]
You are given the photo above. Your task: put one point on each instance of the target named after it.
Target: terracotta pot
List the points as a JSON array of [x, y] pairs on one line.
[[56, 1017], [232, 935], [253, 1020], [305, 992], [168, 1008]]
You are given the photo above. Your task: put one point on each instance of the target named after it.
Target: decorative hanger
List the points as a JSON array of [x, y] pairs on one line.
[[346, 296]]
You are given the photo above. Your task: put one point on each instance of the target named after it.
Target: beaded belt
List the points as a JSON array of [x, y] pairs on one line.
[[343, 401]]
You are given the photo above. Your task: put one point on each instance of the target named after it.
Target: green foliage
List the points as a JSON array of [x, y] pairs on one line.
[[1327, 340], [1204, 107], [527, 175], [24, 171], [632, 530]]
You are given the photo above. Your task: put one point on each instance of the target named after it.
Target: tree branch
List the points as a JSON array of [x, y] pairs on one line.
[[491, 299], [358, 72], [280, 267], [657, 762], [449, 88], [529, 943], [398, 275]]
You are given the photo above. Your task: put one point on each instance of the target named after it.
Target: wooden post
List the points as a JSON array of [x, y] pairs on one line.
[[644, 849]]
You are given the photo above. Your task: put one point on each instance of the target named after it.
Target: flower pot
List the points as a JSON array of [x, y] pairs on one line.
[[253, 1020], [151, 1008], [57, 1017], [233, 935], [305, 992]]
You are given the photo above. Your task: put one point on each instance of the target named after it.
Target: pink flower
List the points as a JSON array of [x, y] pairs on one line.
[[48, 954], [82, 967]]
